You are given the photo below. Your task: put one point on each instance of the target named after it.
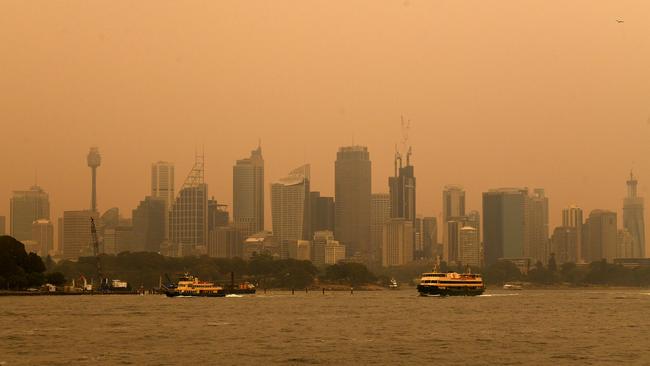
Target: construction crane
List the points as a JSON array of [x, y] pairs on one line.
[[95, 242]]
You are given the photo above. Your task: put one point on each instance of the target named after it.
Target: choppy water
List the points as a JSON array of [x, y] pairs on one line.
[[387, 327]]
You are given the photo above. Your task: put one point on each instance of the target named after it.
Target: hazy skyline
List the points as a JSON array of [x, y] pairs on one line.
[[552, 95]]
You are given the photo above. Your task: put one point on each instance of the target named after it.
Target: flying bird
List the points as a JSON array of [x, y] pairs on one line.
[[620, 21]]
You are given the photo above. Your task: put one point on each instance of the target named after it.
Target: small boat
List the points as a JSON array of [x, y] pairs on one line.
[[240, 289], [513, 286], [450, 284], [190, 286], [393, 285]]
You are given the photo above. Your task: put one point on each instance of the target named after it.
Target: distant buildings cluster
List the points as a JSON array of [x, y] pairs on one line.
[[355, 225]]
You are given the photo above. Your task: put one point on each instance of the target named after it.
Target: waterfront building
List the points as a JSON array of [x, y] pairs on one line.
[[564, 243], [300, 250], [76, 233], [352, 185], [225, 242], [379, 214], [600, 236], [189, 214], [25, 207], [537, 219], [322, 212], [470, 247], [505, 233], [334, 252], [633, 220], [321, 238], [397, 243], [572, 217], [248, 192], [290, 208], [149, 225], [624, 244], [43, 236], [262, 243], [162, 187]]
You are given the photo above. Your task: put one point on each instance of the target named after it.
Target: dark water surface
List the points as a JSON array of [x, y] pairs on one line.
[[386, 327]]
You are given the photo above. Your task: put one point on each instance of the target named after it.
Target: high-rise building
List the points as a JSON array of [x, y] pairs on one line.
[[470, 247], [322, 212], [334, 252], [218, 217], [149, 224], [76, 233], [300, 250], [43, 235], [3, 226], [537, 226], [94, 160], [321, 238], [624, 244], [352, 186], [572, 217], [402, 189], [189, 214], [430, 237], [453, 208], [397, 243], [290, 209], [119, 239], [564, 244], [25, 208], [162, 187], [505, 233], [452, 255], [633, 220], [600, 236], [225, 242], [379, 214], [248, 192]]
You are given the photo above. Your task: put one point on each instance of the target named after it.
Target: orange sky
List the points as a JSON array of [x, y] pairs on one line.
[[500, 93]]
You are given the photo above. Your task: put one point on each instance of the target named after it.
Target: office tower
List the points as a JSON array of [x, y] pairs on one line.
[[119, 239], [430, 237], [453, 239], [25, 208], [322, 212], [321, 238], [43, 235], [189, 213], [624, 244], [110, 218], [453, 207], [290, 209], [94, 160], [402, 189], [218, 217], [379, 214], [299, 250], [76, 233], [352, 186], [470, 247], [262, 243], [397, 243], [505, 233], [162, 182], [225, 242], [600, 236], [3, 226], [538, 226], [334, 252], [633, 219], [418, 243], [572, 217], [564, 244], [248, 192], [149, 224]]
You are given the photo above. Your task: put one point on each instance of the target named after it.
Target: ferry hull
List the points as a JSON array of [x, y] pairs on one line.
[[457, 291], [192, 294]]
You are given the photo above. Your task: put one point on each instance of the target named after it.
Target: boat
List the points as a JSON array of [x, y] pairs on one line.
[[190, 286], [513, 286], [240, 289], [450, 284], [393, 285]]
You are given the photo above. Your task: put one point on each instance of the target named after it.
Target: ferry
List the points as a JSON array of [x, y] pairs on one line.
[[393, 285], [451, 284], [190, 286]]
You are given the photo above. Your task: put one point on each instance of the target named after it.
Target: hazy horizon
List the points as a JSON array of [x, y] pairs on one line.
[[550, 95]]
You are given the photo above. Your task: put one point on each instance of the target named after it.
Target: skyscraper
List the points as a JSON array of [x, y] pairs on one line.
[[248, 193], [352, 186], [633, 219], [322, 212], [469, 248], [453, 208], [430, 237], [189, 213], [162, 187], [321, 238], [290, 208], [94, 160], [379, 214], [564, 242], [76, 233], [538, 226], [505, 233], [397, 243], [149, 224], [402, 189], [225, 242], [43, 234], [600, 240], [572, 217], [25, 208]]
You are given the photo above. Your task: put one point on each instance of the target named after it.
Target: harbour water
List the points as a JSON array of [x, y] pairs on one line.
[[382, 327]]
